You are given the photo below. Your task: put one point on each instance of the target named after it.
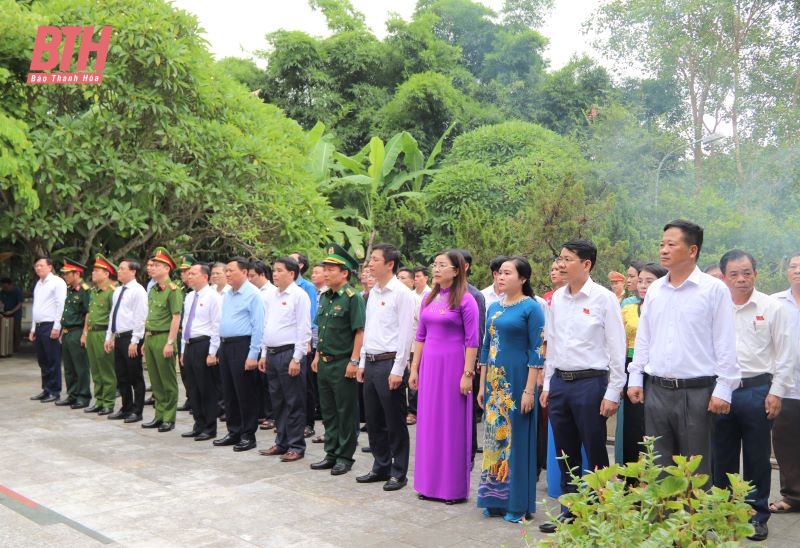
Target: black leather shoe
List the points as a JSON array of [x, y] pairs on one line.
[[166, 426], [245, 445], [118, 416], [366, 449], [78, 405], [132, 417], [395, 484], [51, 397], [191, 434], [104, 411], [228, 439], [92, 409], [64, 403], [372, 477], [324, 464], [339, 469], [761, 531], [155, 423], [39, 396], [202, 436], [549, 527], [185, 406]]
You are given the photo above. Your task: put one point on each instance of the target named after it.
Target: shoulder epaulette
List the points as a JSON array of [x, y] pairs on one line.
[[85, 286], [172, 286], [350, 292]]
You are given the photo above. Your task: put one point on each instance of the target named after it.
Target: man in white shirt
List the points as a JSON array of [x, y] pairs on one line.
[[384, 355], [765, 353], [287, 333], [490, 293], [49, 297], [686, 344], [259, 276], [585, 366], [125, 336], [421, 275], [199, 344], [786, 430]]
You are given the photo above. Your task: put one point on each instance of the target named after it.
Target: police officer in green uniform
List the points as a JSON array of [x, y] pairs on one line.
[[94, 333], [164, 302], [76, 365], [340, 317]]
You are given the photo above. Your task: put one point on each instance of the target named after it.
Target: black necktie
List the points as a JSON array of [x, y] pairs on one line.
[[116, 309]]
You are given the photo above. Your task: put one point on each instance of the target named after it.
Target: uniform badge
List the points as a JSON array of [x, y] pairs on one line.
[[586, 311]]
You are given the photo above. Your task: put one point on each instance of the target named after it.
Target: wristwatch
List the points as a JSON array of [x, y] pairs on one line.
[[468, 374], [354, 362]]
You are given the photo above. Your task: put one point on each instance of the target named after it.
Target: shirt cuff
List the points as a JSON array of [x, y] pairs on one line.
[[635, 380], [298, 356], [722, 392], [611, 395], [398, 370], [777, 389]]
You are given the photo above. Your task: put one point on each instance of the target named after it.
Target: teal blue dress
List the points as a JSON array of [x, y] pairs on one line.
[[512, 344]]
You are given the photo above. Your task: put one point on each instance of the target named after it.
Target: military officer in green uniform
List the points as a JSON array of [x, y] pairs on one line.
[[94, 333], [340, 318], [76, 364], [164, 305]]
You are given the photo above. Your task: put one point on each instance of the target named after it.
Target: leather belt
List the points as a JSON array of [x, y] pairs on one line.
[[381, 357], [327, 358], [580, 374], [98, 328], [150, 333], [675, 384], [279, 349], [71, 326], [123, 334], [66, 330], [39, 324], [199, 338], [758, 380], [238, 338]]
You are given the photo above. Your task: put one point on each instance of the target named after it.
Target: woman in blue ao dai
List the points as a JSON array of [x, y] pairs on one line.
[[512, 360]]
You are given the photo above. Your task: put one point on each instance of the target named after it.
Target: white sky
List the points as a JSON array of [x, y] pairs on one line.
[[235, 28]]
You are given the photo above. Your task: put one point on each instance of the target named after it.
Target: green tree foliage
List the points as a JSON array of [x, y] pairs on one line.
[[244, 71], [167, 150]]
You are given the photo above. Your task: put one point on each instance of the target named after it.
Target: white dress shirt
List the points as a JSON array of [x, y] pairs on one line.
[[132, 311], [287, 320], [790, 305], [586, 332], [765, 341], [207, 314], [389, 323], [49, 296], [686, 332], [490, 296]]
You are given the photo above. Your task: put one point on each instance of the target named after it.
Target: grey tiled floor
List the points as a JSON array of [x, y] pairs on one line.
[[72, 479]]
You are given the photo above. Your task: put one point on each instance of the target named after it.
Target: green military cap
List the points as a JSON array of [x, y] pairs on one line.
[[161, 255], [73, 266], [186, 262], [101, 262], [337, 255]]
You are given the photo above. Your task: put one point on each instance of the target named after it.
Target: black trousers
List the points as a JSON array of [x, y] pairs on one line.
[[130, 378], [264, 399], [386, 420], [311, 388], [48, 354], [200, 380], [288, 395], [240, 389]]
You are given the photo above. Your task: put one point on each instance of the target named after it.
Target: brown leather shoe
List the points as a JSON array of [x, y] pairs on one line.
[[272, 451], [291, 456]]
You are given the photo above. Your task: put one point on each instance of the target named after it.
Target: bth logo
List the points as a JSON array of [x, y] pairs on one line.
[[68, 36]]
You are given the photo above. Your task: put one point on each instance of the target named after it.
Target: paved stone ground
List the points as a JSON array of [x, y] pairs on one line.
[[72, 479]]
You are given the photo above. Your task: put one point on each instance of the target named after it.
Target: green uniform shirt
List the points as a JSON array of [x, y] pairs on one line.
[[76, 306], [100, 306], [162, 304], [340, 314]]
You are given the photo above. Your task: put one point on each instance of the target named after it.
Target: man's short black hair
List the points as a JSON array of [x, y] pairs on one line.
[[44, 258], [390, 253], [290, 264], [422, 269], [497, 262], [406, 269], [467, 259], [261, 269], [205, 269], [735, 255], [244, 264], [133, 264], [584, 249], [692, 233]]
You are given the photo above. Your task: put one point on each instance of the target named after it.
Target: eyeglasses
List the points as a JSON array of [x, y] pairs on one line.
[[440, 266], [565, 260]]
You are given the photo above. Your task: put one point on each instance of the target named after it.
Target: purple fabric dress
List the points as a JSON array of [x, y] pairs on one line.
[[444, 416]]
